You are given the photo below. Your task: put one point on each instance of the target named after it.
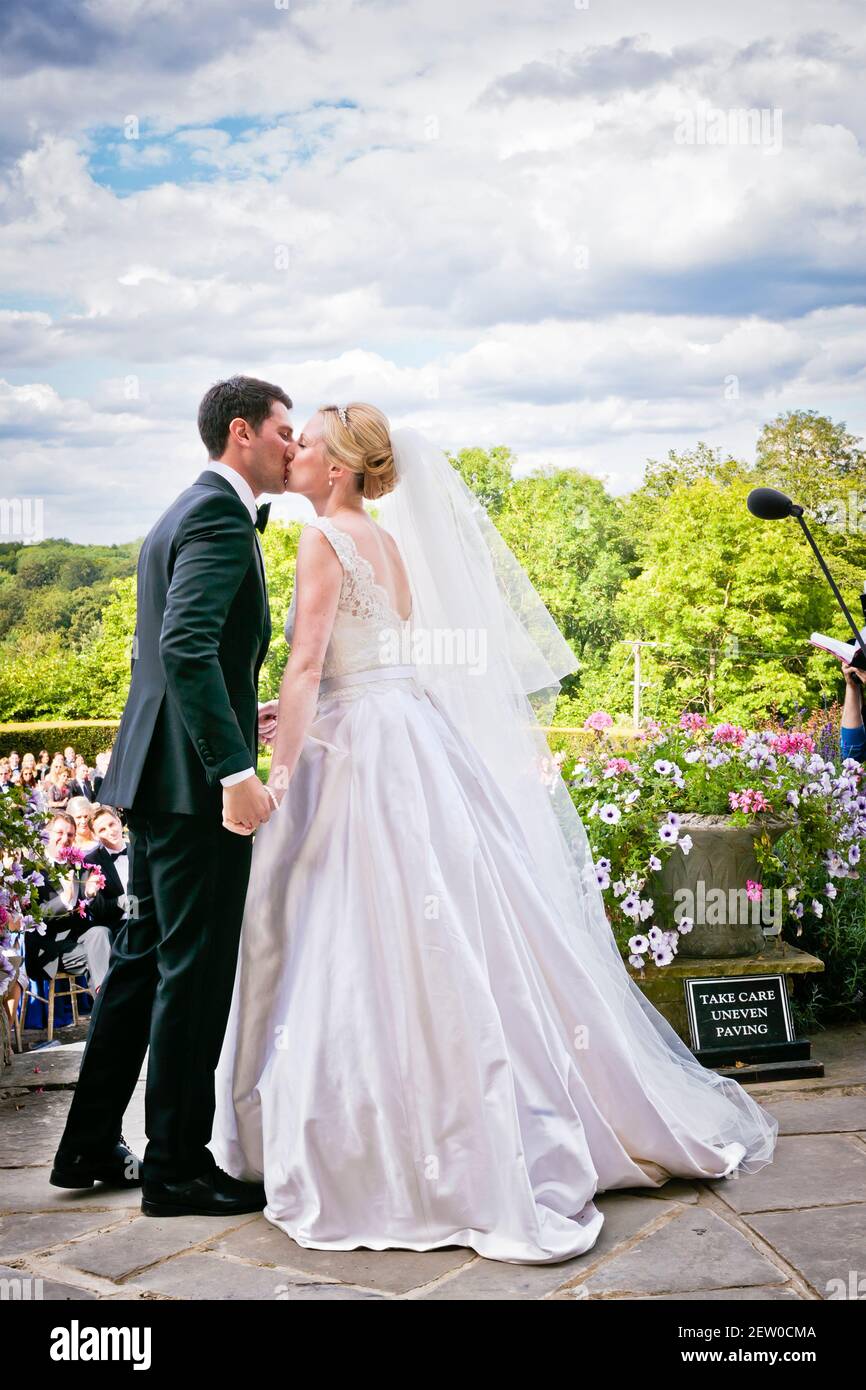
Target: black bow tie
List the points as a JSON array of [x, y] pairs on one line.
[[262, 514]]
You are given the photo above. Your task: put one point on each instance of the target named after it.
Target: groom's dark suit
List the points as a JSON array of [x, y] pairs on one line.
[[202, 632]]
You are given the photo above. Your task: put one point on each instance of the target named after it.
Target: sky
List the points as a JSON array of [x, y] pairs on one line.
[[551, 226]]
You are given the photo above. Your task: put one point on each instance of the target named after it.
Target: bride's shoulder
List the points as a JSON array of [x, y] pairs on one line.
[[321, 544]]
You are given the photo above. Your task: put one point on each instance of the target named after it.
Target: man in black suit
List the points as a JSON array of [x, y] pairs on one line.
[[183, 767], [108, 905], [72, 940]]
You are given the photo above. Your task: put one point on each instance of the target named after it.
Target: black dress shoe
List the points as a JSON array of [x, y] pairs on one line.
[[119, 1167], [213, 1193]]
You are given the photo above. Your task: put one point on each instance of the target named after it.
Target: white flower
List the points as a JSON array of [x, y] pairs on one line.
[[685, 843], [817, 908], [646, 909], [685, 925], [610, 814], [638, 944], [655, 863]]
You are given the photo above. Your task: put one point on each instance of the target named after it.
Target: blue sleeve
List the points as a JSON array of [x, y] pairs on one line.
[[853, 743]]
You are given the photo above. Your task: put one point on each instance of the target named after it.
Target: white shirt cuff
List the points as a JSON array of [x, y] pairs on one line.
[[238, 776]]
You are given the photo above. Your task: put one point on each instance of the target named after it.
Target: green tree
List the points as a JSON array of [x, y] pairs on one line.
[[732, 603]]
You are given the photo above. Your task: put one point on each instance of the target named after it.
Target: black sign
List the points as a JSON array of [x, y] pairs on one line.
[[738, 1012]]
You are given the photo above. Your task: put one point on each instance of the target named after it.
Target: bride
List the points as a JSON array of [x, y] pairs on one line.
[[433, 1038]]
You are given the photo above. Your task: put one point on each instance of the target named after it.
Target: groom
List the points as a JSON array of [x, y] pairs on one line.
[[184, 767]]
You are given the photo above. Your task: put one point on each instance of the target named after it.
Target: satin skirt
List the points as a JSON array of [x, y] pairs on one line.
[[402, 1066]]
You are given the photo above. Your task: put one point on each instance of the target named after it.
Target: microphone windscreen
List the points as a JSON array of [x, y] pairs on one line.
[[769, 504]]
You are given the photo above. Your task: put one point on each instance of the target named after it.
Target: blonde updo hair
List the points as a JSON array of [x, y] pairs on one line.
[[363, 445]]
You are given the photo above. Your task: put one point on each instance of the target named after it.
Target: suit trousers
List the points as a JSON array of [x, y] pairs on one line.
[[168, 988]]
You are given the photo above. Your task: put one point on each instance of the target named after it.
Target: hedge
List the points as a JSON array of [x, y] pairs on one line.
[[92, 736], [87, 736]]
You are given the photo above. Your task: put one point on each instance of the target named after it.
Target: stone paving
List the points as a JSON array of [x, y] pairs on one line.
[[796, 1230]]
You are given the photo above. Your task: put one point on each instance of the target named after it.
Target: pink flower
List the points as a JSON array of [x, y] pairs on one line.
[[598, 720], [71, 856], [692, 721], [617, 765], [729, 733], [792, 743], [749, 800], [753, 890]]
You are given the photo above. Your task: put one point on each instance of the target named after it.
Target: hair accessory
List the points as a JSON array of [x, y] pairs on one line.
[[341, 411]]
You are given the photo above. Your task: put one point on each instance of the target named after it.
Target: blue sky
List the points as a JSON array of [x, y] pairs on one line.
[[539, 226]]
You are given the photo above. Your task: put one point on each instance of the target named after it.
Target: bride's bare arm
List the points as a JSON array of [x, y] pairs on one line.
[[318, 579]]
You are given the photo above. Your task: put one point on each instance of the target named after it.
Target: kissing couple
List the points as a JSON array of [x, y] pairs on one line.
[[383, 1001]]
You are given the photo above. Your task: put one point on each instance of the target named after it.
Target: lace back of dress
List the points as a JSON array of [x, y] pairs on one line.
[[367, 633]]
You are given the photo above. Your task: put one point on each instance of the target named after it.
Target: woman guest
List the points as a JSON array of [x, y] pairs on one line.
[[81, 810], [853, 731], [31, 784], [56, 787]]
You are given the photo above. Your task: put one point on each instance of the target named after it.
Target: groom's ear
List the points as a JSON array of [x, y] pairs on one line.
[[239, 430]]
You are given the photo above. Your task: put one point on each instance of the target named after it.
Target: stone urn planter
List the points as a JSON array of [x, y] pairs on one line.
[[714, 872]]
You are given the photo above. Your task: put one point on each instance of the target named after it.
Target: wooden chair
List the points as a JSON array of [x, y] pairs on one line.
[[74, 990]]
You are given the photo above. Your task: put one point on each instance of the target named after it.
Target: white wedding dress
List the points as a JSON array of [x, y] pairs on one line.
[[405, 1063]]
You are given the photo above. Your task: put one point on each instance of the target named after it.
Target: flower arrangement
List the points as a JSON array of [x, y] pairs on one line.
[[24, 868], [632, 808]]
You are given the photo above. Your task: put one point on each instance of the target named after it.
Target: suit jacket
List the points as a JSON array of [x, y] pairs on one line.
[[104, 909], [202, 632], [86, 788]]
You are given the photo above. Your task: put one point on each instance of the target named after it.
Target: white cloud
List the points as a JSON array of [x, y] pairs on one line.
[[480, 217]]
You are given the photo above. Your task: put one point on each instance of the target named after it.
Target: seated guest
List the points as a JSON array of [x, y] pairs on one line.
[[28, 761], [5, 774], [31, 785], [57, 789], [71, 942], [14, 760], [80, 809], [109, 906], [853, 731], [43, 764], [84, 778], [69, 757]]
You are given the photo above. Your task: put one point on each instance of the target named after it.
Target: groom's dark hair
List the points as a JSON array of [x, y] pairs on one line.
[[240, 397]]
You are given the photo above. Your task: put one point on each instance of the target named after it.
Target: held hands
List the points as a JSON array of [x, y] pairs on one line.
[[246, 806], [268, 721]]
